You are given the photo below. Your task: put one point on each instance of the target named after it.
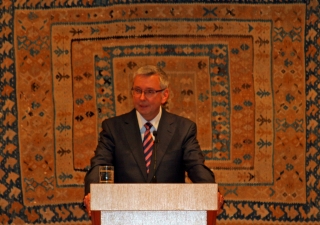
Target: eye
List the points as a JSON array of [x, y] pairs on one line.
[[150, 91], [137, 90]]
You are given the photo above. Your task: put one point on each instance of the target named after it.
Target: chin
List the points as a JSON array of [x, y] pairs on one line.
[[143, 108]]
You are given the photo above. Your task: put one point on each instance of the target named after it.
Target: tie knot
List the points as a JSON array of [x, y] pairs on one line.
[[148, 125]]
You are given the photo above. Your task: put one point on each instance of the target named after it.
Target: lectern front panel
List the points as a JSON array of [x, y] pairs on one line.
[[155, 204], [154, 217]]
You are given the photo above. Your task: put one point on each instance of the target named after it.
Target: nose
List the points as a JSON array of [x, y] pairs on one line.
[[142, 96]]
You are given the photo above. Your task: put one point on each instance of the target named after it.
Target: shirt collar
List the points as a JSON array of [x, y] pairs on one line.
[[154, 121]]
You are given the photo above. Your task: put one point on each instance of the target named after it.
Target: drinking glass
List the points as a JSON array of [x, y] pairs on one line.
[[106, 174]]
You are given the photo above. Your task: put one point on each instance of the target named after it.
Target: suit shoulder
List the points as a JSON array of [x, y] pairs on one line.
[[180, 119], [118, 118]]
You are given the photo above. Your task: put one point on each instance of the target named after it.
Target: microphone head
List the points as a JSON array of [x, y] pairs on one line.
[[155, 133]]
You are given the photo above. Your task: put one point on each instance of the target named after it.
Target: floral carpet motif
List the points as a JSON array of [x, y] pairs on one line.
[[245, 73]]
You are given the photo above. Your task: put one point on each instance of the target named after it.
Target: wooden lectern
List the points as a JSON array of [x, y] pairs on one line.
[[156, 204]]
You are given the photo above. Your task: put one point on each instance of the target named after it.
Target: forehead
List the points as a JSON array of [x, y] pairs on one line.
[[152, 81]]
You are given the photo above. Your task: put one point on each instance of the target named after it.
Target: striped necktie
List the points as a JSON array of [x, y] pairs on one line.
[[147, 145]]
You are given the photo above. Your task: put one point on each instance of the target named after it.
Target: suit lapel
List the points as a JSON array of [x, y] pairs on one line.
[[131, 130], [165, 132]]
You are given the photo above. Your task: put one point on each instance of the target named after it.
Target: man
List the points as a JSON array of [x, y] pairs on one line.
[[122, 140]]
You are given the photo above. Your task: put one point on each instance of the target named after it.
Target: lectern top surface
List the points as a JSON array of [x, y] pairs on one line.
[[154, 197]]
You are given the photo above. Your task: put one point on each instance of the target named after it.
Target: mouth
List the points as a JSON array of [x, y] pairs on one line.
[[143, 106]]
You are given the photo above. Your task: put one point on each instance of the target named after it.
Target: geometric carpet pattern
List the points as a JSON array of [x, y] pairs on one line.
[[246, 73]]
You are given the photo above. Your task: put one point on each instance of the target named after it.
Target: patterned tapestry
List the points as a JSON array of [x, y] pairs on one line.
[[245, 71]]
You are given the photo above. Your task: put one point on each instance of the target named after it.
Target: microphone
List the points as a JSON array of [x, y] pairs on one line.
[[156, 141]]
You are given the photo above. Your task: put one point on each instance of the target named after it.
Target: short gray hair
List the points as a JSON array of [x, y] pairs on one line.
[[150, 70]]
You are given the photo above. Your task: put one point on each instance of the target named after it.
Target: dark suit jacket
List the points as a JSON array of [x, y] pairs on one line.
[[178, 151]]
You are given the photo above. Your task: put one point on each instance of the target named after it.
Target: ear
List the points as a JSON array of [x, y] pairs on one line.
[[165, 96]]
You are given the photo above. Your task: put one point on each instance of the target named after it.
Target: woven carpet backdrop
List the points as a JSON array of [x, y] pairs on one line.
[[247, 74]]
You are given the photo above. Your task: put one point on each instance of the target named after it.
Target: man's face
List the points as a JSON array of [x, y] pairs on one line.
[[149, 106]]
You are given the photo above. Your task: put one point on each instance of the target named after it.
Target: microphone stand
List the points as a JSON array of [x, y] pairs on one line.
[[156, 141]]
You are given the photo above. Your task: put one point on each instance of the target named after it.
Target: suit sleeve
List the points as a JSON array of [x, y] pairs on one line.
[[104, 154], [193, 158]]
